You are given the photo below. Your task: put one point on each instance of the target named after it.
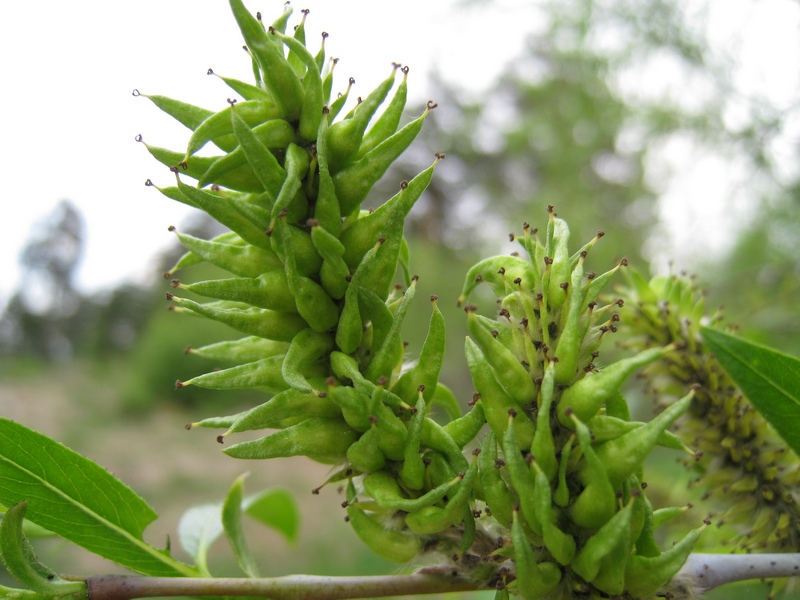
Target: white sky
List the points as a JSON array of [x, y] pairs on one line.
[[69, 119]]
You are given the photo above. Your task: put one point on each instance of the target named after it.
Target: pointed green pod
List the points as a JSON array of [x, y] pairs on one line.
[[313, 302], [264, 164], [434, 519], [268, 290], [248, 91], [290, 199], [355, 406], [435, 437], [218, 128], [351, 327], [312, 102], [560, 267], [388, 121], [243, 260], [346, 367], [378, 317], [534, 580], [344, 138], [412, 471], [279, 77], [515, 377], [387, 356], [601, 543], [543, 446], [359, 237], [645, 575], [561, 545], [561, 493], [188, 115], [272, 325], [264, 374], [354, 181], [623, 455], [334, 273], [327, 211], [571, 336], [386, 542], [587, 395], [337, 105], [496, 494], [392, 430], [246, 349], [499, 272], [285, 409], [385, 490], [323, 439], [306, 348], [597, 503], [521, 478], [226, 214], [464, 429], [364, 454], [496, 401]]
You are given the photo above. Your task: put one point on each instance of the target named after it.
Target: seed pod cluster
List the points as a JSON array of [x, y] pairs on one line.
[[747, 472], [561, 469], [312, 288]]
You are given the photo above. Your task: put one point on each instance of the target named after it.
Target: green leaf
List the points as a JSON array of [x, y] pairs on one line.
[[21, 560], [232, 523], [769, 379], [200, 526], [275, 508], [79, 500]]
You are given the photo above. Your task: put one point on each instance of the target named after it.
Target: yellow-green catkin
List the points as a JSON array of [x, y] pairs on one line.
[[746, 469]]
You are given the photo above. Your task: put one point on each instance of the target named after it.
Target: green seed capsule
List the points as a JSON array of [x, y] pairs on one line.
[[326, 211], [559, 271], [188, 115], [354, 181], [543, 446], [311, 106], [306, 348], [558, 543], [264, 374], [596, 504], [226, 214], [496, 494], [412, 471], [344, 137], [602, 543], [260, 322], [346, 367], [499, 272], [323, 439], [587, 395], [263, 163], [534, 581], [248, 91], [362, 234], [515, 377], [364, 454], [283, 410], [435, 437], [433, 519], [572, 334], [386, 491], [351, 327], [387, 356], [246, 349], [426, 372], [464, 429], [386, 542], [496, 401], [386, 124], [218, 127], [279, 77], [623, 455], [269, 290], [645, 575], [243, 260], [521, 478]]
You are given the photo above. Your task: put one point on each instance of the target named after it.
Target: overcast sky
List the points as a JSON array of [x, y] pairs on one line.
[[69, 119]]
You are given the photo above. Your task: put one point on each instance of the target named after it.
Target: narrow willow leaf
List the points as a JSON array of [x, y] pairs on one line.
[[275, 508], [79, 500], [769, 379], [232, 523], [200, 526]]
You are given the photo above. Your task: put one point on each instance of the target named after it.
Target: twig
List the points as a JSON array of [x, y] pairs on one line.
[[293, 587], [703, 572]]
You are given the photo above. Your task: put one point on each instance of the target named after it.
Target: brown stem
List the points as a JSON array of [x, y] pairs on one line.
[[292, 587]]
